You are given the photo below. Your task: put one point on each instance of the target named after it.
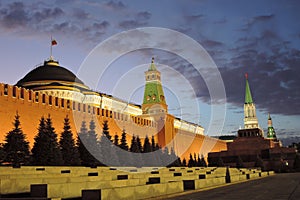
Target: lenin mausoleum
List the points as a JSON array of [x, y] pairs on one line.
[[250, 148], [51, 89]]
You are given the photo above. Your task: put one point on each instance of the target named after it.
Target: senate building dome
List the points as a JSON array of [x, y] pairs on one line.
[[51, 76]]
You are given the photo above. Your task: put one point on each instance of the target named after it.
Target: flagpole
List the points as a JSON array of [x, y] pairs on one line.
[[51, 48]]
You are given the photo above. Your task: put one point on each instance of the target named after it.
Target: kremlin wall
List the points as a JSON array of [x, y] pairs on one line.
[[53, 90]]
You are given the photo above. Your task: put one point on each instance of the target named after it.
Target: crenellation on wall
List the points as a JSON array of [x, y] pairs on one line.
[[42, 99], [187, 126], [32, 105]]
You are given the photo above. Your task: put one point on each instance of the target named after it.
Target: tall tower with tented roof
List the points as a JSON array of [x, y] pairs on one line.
[[271, 131], [154, 99], [250, 119]]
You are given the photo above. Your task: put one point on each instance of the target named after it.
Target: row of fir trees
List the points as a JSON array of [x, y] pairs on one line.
[[87, 150]]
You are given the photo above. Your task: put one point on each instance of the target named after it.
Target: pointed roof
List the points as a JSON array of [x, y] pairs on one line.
[[152, 66], [248, 96], [271, 131], [154, 92]]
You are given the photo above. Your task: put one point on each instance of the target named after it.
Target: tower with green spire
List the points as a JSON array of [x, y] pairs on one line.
[[250, 119], [154, 98], [271, 131]]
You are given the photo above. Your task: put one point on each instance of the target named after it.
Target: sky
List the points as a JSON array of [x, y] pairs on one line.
[[261, 38]]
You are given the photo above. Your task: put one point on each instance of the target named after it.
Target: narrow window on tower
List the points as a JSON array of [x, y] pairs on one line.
[[68, 104], [43, 98], [30, 95], [14, 91], [62, 102], [56, 101], [74, 105], [79, 106], [22, 93], [50, 100], [36, 97], [5, 89], [83, 107]]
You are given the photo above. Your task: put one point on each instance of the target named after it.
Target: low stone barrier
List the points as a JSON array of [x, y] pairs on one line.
[[112, 183]]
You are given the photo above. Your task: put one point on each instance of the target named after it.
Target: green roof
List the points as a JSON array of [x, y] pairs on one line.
[[248, 97], [271, 131], [154, 93]]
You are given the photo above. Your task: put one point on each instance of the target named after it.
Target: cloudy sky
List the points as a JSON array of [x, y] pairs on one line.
[[261, 38]]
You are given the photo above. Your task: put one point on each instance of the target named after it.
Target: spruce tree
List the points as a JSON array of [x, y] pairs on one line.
[[116, 140], [41, 145], [93, 145], [198, 161], [183, 162], [84, 154], [147, 146], [16, 147], [147, 158], [2, 153], [133, 146], [165, 158], [191, 162], [174, 160], [106, 144], [106, 130], [123, 143], [54, 154], [125, 158], [46, 150], [153, 143], [68, 149], [203, 162]]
